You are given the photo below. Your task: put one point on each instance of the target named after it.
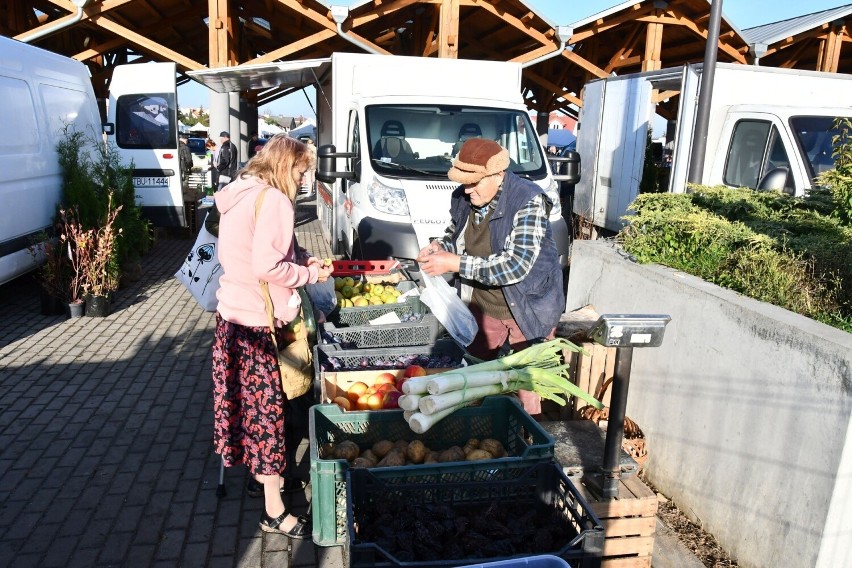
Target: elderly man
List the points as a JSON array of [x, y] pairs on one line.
[[228, 160], [501, 244]]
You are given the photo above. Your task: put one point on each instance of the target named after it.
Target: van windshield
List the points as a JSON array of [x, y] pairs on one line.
[[146, 122], [424, 139], [814, 135]]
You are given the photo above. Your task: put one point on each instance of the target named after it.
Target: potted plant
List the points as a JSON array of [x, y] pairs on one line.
[[73, 244], [52, 273], [98, 262]]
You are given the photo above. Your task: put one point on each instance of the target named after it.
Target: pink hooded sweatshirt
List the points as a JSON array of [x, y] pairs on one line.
[[251, 251]]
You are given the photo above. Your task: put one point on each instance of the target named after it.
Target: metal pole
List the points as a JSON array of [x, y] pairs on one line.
[[615, 425], [708, 73]]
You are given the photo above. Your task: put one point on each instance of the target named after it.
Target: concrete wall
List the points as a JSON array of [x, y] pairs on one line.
[[746, 407]]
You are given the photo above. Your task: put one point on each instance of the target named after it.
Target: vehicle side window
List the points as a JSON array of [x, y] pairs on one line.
[[19, 117], [355, 144], [747, 152], [777, 158], [146, 121]]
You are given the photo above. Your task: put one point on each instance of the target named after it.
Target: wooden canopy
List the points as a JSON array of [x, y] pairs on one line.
[[199, 34]]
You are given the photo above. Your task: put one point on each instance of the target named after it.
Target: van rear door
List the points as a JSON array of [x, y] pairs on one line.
[[143, 112]]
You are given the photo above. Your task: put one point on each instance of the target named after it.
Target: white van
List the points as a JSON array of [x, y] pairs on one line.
[[42, 94], [388, 128], [142, 121]]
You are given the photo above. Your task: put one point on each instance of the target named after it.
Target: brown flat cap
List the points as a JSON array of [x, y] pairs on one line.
[[478, 158]]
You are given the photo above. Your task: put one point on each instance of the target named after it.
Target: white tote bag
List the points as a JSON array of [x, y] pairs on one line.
[[200, 270]]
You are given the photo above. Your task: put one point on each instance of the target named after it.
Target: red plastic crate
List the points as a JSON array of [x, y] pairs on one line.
[[363, 267]]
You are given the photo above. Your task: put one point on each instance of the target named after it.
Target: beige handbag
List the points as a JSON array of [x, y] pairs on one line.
[[294, 360]]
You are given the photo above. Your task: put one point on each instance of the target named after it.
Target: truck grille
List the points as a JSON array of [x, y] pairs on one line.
[[442, 186]]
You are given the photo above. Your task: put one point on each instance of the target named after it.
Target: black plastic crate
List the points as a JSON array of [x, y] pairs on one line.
[[425, 331], [519, 516]]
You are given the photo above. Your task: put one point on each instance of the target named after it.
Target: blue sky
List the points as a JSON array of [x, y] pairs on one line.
[[743, 13]]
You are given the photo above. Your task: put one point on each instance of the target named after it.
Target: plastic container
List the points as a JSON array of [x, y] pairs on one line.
[[363, 267], [499, 417], [543, 561], [423, 332], [362, 315], [541, 500]]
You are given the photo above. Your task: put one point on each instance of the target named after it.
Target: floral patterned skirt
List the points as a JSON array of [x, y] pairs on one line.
[[248, 401]]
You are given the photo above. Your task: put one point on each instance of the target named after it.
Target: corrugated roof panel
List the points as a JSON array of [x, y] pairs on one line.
[[776, 31]]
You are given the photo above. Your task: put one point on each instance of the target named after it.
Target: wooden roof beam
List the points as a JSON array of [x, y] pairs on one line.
[[448, 30], [295, 47], [626, 48], [680, 20], [558, 91], [606, 24], [146, 44]]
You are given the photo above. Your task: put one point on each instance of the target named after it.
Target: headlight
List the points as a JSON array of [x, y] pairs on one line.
[[388, 199], [552, 192]]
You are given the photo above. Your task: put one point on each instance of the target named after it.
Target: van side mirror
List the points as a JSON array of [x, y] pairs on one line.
[[327, 170], [109, 128], [566, 168], [775, 180]]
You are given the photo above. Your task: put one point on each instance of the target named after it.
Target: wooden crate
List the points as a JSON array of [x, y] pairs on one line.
[[629, 523], [590, 372]]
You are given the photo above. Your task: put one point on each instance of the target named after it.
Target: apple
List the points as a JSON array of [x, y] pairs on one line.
[[414, 371], [361, 403], [391, 399], [385, 378], [384, 388], [342, 402], [356, 390], [375, 400], [399, 382]]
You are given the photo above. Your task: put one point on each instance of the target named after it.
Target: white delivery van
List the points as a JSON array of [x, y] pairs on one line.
[[42, 94], [142, 122], [388, 128], [769, 128]]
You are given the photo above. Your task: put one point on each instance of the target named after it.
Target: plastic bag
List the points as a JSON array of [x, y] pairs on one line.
[[449, 309], [201, 270], [322, 297]]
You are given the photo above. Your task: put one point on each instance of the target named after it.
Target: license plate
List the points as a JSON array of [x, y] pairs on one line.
[[150, 182]]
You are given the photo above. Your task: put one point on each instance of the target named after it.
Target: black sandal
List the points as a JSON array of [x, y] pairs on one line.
[[254, 488], [300, 531]]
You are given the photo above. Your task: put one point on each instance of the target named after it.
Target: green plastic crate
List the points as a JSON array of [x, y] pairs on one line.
[[498, 417], [362, 315], [542, 490]]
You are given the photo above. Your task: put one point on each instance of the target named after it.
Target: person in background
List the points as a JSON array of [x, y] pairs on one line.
[[227, 162], [310, 178], [252, 145], [190, 194], [212, 157], [501, 244], [248, 400]]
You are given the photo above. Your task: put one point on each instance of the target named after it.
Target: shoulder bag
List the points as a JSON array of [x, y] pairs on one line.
[[294, 360]]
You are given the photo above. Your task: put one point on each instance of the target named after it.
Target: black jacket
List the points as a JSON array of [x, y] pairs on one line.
[[228, 160], [185, 159]]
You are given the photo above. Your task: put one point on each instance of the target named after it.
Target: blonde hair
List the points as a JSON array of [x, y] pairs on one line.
[[274, 164]]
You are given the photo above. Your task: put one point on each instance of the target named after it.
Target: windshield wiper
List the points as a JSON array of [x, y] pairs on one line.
[[402, 167]]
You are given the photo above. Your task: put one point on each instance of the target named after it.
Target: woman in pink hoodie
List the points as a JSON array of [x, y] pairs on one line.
[[249, 403]]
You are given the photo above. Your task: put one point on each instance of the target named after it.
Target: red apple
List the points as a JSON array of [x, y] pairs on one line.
[[399, 382], [391, 399], [385, 379], [374, 401], [414, 371]]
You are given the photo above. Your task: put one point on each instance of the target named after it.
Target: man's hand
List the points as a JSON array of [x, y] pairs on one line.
[[435, 263]]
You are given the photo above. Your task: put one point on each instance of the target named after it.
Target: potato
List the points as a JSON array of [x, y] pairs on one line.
[[381, 448], [368, 454], [476, 455], [402, 445], [471, 445], [493, 447], [326, 451], [346, 450], [454, 453], [361, 461], [394, 458], [416, 451], [431, 457]]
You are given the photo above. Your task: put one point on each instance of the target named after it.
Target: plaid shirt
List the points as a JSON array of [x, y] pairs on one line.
[[519, 252]]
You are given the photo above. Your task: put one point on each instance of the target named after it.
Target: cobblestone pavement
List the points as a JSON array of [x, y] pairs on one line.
[[106, 452]]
